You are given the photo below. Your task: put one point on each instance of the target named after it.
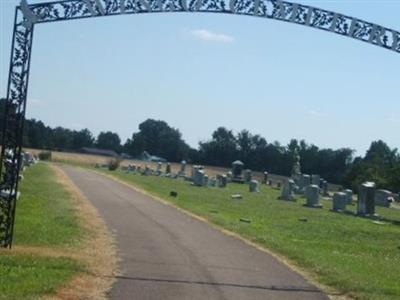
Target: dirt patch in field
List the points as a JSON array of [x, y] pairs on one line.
[[97, 252]]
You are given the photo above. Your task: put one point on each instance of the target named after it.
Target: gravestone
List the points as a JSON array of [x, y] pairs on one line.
[[339, 201], [193, 171], [229, 177], [6, 194], [198, 177], [349, 196], [27, 159], [168, 168], [183, 168], [287, 193], [147, 171], [265, 179], [247, 175], [303, 181], [383, 198], [237, 168], [205, 180], [195, 168], [159, 168], [324, 188], [312, 196], [212, 182], [253, 186], [396, 197], [222, 180], [315, 179], [366, 199]]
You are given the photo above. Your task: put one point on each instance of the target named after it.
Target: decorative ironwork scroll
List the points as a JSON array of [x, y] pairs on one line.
[[28, 15], [270, 9], [13, 124]]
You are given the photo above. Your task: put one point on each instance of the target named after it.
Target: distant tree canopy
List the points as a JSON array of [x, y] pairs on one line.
[[258, 154], [158, 138], [380, 164], [109, 140]]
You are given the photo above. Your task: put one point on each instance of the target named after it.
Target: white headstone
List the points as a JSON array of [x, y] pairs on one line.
[[366, 199], [383, 198], [349, 196], [288, 191], [312, 195], [339, 201], [253, 186]]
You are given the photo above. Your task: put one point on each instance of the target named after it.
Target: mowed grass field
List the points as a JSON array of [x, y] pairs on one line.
[[358, 257], [46, 225]]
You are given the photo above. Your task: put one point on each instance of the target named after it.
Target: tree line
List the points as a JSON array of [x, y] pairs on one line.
[[380, 164]]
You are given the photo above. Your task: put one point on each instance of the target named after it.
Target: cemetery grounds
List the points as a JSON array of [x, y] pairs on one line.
[[350, 256], [346, 256]]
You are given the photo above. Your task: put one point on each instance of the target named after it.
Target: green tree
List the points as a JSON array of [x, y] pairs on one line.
[[381, 165], [221, 150], [158, 138], [109, 141], [82, 138]]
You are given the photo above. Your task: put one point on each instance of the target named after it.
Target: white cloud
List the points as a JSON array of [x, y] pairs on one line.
[[394, 119], [315, 113], [209, 36]]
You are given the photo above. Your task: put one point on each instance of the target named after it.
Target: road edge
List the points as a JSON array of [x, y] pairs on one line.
[[97, 252]]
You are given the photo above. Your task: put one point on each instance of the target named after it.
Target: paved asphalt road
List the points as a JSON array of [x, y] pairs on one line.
[[166, 254]]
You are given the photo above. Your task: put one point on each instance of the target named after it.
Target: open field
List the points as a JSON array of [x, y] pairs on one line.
[[49, 255], [357, 256]]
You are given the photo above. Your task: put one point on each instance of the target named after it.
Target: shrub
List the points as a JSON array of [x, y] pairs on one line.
[[114, 163], [45, 155]]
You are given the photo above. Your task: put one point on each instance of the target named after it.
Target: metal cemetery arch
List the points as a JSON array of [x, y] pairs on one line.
[[28, 15]]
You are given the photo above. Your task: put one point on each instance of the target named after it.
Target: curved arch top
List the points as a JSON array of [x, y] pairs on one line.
[[270, 9]]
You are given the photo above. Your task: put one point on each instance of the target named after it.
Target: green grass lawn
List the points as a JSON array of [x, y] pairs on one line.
[[352, 254], [45, 219]]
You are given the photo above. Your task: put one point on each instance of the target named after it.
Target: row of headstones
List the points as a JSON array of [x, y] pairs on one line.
[[312, 194], [311, 186], [27, 160], [302, 181], [366, 201], [200, 178], [158, 171], [375, 198]]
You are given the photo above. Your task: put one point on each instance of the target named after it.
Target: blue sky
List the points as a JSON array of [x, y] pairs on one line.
[[200, 71]]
